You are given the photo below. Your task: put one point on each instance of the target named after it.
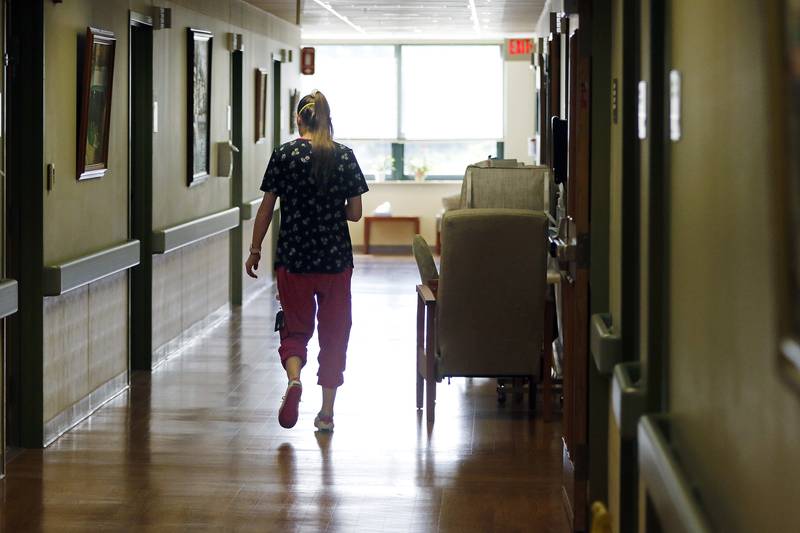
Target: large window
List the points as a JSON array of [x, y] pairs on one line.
[[360, 83], [449, 112], [452, 92]]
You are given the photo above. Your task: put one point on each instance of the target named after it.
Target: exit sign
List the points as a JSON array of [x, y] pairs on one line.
[[519, 48]]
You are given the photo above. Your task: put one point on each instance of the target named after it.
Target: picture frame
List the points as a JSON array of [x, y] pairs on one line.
[[787, 208], [198, 98], [94, 104], [261, 105], [294, 99]]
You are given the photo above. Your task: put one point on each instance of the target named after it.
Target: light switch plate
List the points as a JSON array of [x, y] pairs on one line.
[[642, 110], [674, 105], [155, 116]]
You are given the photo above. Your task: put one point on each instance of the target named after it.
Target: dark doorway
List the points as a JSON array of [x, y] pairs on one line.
[[141, 110], [237, 198], [24, 75], [276, 103]]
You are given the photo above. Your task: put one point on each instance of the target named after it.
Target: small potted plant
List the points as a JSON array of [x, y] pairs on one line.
[[383, 167], [420, 170]]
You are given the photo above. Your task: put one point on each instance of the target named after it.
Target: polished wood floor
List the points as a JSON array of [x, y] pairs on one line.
[[196, 445]]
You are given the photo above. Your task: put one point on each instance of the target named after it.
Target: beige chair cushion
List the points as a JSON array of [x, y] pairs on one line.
[[524, 187], [491, 294], [425, 262]]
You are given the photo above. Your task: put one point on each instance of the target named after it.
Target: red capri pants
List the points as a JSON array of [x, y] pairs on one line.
[[327, 295]]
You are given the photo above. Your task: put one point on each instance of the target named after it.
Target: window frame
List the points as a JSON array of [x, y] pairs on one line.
[[398, 142]]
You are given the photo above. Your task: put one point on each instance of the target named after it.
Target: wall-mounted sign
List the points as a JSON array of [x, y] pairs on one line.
[[307, 60], [519, 49], [674, 105], [642, 110]]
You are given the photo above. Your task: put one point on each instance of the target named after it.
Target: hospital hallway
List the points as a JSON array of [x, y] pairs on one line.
[[196, 444]]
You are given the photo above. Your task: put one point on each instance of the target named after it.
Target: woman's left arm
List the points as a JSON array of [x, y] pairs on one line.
[[260, 227], [352, 209]]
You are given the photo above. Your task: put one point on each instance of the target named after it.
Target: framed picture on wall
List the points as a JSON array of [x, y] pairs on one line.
[[261, 105], [200, 47], [788, 207], [94, 103], [294, 99]]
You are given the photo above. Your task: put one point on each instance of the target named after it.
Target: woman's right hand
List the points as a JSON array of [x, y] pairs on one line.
[[252, 264]]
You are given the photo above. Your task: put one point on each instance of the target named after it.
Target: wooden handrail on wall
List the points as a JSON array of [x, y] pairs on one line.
[[673, 498], [606, 346], [175, 237], [249, 209], [8, 297], [64, 277], [627, 397]]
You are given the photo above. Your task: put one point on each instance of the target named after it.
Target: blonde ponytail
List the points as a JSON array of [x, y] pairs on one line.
[[315, 114]]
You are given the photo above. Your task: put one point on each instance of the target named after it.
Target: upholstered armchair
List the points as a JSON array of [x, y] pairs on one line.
[[484, 315], [508, 186]]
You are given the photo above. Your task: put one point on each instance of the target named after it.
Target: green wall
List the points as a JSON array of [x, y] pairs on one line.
[[263, 35], [82, 217], [737, 423], [86, 216], [615, 173]]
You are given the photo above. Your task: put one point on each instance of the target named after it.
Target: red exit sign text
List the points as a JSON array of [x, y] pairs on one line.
[[519, 48]]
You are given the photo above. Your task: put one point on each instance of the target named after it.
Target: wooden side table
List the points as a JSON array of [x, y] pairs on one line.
[[368, 226]]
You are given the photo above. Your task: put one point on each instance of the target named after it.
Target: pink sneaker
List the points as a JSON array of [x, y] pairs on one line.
[[289, 411], [323, 423]]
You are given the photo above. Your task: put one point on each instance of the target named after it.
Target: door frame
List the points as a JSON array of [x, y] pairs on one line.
[[140, 188], [237, 186], [575, 445], [25, 167]]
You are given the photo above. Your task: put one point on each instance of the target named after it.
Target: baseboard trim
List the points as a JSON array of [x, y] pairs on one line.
[[189, 336], [84, 408]]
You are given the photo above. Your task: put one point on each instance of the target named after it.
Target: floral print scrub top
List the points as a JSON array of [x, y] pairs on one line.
[[313, 237]]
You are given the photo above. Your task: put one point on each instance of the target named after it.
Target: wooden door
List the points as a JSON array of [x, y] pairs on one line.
[[575, 287], [140, 92]]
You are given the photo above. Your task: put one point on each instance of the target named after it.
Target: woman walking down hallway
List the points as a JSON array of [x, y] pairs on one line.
[[320, 185]]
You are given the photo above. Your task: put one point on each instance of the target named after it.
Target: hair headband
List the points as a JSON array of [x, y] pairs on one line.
[[308, 105]]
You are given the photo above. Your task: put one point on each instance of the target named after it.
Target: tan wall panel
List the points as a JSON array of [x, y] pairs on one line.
[[66, 351], [218, 274], [194, 283], [82, 217], [167, 323], [108, 329], [737, 424]]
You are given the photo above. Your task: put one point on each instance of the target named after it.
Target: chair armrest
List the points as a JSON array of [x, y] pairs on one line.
[[426, 294]]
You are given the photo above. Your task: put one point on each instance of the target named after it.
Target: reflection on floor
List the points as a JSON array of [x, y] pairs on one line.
[[197, 444]]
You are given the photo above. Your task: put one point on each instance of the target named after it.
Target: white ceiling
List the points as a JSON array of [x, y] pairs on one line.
[[409, 20]]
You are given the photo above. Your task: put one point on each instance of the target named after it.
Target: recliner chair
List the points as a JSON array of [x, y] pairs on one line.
[[486, 318]]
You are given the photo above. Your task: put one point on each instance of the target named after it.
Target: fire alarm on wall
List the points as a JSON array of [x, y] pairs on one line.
[[307, 60]]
